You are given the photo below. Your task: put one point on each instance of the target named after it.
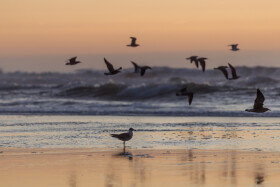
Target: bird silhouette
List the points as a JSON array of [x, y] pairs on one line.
[[184, 92], [111, 69], [141, 69], [223, 70], [202, 63], [234, 47], [124, 136], [72, 61], [233, 72], [258, 105], [193, 59], [133, 42]]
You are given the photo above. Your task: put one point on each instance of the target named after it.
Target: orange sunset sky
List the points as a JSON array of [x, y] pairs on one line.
[[40, 35]]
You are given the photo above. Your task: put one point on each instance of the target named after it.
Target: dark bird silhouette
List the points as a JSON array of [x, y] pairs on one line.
[[111, 69], [193, 59], [258, 105], [223, 70], [234, 47], [138, 68], [133, 42], [202, 63], [124, 136], [233, 72], [72, 61], [184, 92]]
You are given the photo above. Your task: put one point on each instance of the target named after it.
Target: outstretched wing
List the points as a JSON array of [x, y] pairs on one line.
[[136, 67], [259, 100], [233, 71], [224, 72], [196, 63], [133, 40], [109, 65], [202, 64]]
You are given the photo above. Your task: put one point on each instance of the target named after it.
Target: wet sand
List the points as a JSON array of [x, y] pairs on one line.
[[139, 167]]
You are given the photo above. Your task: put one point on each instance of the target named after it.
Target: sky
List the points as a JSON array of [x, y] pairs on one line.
[[40, 35]]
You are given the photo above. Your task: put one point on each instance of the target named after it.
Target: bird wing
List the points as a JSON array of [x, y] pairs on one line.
[[72, 60], [233, 71], [109, 65], [122, 136], [190, 96], [259, 100], [202, 64], [133, 40], [224, 72], [136, 67], [143, 69], [196, 63]]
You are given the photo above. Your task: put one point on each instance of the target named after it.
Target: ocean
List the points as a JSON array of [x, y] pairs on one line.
[[82, 108], [90, 92]]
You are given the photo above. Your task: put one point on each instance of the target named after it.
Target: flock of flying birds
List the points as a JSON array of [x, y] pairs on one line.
[[199, 61]]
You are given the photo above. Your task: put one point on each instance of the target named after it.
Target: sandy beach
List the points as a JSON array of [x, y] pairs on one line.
[[139, 167]]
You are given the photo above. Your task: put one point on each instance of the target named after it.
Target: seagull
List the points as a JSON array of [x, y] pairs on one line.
[[233, 72], [133, 42], [72, 61], [223, 70], [124, 136], [202, 62], [184, 92], [234, 47], [138, 68], [193, 59], [258, 105], [111, 69]]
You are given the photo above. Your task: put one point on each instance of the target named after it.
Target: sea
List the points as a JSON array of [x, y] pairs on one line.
[[82, 108]]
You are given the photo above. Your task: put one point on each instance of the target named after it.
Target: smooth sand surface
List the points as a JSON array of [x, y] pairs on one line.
[[139, 167]]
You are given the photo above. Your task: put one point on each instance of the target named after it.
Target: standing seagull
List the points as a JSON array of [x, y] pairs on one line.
[[133, 42], [202, 62], [193, 59], [111, 69], [258, 105], [223, 70], [234, 47], [233, 72], [184, 92], [138, 68], [72, 61], [124, 136]]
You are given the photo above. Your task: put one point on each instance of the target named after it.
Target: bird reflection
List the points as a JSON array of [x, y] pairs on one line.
[[128, 155], [259, 175], [73, 180]]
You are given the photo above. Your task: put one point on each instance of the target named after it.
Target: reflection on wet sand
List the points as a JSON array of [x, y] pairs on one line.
[[71, 168]]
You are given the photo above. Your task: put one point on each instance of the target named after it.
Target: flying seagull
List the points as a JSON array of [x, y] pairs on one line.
[[138, 68], [124, 136], [233, 72], [133, 42], [72, 61], [193, 59], [184, 92], [111, 69], [201, 61], [223, 70], [258, 105], [234, 47]]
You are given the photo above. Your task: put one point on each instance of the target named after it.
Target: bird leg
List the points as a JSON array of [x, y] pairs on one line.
[[123, 146]]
